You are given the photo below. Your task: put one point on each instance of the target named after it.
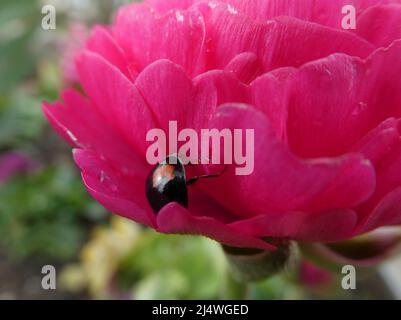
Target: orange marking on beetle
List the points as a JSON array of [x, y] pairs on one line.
[[166, 171]]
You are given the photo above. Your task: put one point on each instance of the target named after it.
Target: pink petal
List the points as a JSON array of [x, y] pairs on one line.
[[146, 37], [324, 226], [126, 208], [384, 207], [382, 81], [279, 179], [330, 12], [232, 34], [325, 12], [386, 213], [329, 119], [329, 124], [367, 250], [358, 177], [117, 192], [389, 170], [283, 74], [289, 49], [116, 99], [80, 125], [380, 25], [102, 43], [168, 93], [173, 218], [163, 6], [380, 141], [245, 66], [263, 10], [202, 205], [190, 103], [269, 95], [213, 89], [222, 86]]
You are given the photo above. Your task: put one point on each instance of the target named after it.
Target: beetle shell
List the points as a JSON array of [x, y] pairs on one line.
[[167, 183]]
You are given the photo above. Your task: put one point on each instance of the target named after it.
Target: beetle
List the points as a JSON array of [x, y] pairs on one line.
[[167, 183]]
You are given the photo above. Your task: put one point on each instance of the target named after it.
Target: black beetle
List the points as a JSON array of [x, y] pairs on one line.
[[167, 183]]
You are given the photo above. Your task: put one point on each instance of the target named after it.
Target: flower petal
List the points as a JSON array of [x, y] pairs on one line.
[[80, 125], [381, 25], [336, 101], [163, 6], [245, 66], [117, 192], [277, 42], [279, 179], [386, 213], [269, 95], [263, 10], [330, 12], [327, 226], [174, 218], [367, 250], [146, 37], [380, 141], [102, 43], [168, 93], [190, 103], [116, 99], [384, 207]]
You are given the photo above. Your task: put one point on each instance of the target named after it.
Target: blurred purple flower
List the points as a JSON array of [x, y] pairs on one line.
[[12, 163]]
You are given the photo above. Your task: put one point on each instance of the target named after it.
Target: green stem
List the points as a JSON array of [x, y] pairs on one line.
[[251, 265]]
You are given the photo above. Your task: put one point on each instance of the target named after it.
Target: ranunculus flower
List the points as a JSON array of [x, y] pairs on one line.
[[325, 104]]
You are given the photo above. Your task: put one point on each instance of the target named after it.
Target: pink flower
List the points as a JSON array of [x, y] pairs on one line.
[[325, 104]]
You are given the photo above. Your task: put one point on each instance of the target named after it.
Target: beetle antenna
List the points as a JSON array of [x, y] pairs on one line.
[[199, 161], [214, 175]]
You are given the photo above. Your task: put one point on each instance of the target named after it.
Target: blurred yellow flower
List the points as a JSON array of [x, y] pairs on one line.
[[100, 258]]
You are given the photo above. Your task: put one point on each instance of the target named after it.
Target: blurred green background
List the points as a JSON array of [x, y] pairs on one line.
[[46, 216]]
